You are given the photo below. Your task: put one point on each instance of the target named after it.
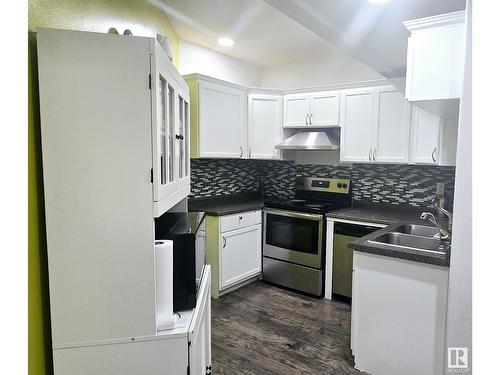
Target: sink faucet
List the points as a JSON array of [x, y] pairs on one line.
[[444, 233], [439, 209]]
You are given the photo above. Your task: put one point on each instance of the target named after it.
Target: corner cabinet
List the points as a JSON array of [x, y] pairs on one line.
[[170, 109], [318, 109], [265, 120], [219, 117]]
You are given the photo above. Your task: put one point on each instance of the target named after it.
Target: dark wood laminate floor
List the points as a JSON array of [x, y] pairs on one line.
[[262, 329]]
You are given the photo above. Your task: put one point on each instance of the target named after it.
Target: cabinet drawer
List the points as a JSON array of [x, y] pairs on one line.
[[241, 220]]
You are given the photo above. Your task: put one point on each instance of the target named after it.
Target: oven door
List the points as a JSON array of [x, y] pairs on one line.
[[293, 237]]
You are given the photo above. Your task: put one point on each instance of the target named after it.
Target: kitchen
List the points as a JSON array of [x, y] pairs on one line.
[[260, 213]]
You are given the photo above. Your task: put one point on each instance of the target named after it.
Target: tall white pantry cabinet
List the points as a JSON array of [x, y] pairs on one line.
[[115, 150]]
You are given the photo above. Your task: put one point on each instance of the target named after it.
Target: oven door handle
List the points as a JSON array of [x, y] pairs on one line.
[[300, 215]]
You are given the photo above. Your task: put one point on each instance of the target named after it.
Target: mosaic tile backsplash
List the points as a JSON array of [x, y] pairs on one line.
[[400, 184]]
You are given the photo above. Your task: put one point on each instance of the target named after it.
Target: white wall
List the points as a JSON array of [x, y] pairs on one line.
[[197, 59], [459, 321], [340, 68]]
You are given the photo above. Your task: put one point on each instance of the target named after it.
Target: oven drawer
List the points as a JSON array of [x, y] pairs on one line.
[[241, 220]]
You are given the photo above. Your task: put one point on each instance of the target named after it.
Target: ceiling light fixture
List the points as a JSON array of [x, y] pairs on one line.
[[379, 1], [225, 41]]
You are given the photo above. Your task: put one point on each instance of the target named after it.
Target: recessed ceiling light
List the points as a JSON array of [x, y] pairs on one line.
[[379, 1], [225, 41]]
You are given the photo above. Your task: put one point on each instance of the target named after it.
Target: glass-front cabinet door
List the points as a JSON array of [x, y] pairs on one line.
[[170, 125], [183, 137], [164, 135]]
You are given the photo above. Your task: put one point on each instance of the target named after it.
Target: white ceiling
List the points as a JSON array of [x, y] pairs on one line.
[[271, 32], [372, 33], [263, 35]]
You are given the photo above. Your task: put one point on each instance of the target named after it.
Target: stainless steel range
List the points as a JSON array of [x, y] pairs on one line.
[[294, 233]]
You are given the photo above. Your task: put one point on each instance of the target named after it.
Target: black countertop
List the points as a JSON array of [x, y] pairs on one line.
[[226, 204], [364, 245], [392, 216], [381, 213]]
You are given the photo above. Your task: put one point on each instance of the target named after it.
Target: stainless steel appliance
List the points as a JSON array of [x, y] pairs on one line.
[[294, 233], [189, 254]]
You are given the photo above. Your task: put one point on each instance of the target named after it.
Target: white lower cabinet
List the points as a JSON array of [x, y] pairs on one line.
[[183, 350], [199, 335], [234, 249], [398, 316], [240, 255]]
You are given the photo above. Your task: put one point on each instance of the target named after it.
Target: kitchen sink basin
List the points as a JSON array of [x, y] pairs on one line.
[[417, 230], [402, 240]]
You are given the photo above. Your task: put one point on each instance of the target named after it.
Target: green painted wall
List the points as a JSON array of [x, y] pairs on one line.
[[143, 18]]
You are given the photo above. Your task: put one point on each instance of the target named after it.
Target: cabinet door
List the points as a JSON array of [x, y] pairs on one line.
[[241, 255], [435, 63], [264, 126], [164, 126], [425, 136], [222, 121], [297, 110], [182, 140], [399, 307], [356, 113], [325, 108], [392, 126], [200, 353]]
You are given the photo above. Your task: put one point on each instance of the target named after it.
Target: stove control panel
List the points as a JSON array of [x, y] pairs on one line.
[[328, 185]]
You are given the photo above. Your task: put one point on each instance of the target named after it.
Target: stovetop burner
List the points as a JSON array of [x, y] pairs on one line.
[[316, 195]]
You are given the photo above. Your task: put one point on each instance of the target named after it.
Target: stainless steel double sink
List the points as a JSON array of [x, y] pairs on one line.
[[414, 237]]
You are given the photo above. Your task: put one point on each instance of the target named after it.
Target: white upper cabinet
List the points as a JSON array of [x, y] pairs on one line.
[[265, 114], [325, 109], [391, 128], [170, 122], [375, 125], [320, 109], [297, 109], [436, 52], [222, 121], [425, 137], [356, 124]]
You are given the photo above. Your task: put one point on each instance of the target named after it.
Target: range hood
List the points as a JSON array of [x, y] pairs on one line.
[[312, 141]]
